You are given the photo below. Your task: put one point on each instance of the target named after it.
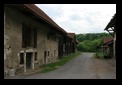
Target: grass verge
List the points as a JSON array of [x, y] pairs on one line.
[[61, 62], [99, 55]]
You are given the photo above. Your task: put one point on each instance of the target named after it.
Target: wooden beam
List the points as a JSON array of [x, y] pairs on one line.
[[111, 30], [110, 33]]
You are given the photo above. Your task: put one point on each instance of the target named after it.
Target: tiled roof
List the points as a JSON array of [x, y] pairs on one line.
[[107, 39], [43, 16]]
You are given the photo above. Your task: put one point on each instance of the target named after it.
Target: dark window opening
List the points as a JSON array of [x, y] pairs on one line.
[[29, 37], [21, 58], [35, 56], [48, 53], [54, 52], [48, 36], [45, 54], [29, 59], [55, 38]]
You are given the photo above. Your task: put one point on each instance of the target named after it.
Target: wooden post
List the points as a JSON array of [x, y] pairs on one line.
[[114, 43]]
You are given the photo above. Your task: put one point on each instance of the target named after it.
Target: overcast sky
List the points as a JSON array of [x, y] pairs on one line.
[[80, 18]]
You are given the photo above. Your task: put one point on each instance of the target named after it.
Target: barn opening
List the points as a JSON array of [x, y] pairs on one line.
[[45, 55], [28, 59]]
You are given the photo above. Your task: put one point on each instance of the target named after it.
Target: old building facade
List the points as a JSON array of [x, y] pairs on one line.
[[106, 47], [31, 38]]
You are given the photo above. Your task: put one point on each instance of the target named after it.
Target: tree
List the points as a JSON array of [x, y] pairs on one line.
[[89, 41]]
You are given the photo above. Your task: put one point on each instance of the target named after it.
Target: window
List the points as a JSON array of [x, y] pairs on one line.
[[55, 38], [45, 55], [64, 47], [21, 58], [29, 37], [48, 53], [48, 36], [54, 53], [35, 56]]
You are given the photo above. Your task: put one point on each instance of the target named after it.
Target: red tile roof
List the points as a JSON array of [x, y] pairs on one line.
[[107, 39], [43, 16]]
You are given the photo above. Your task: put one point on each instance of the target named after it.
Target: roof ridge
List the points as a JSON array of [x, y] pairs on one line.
[[43, 15]]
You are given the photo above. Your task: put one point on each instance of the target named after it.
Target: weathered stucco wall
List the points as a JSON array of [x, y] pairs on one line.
[[44, 44], [13, 40]]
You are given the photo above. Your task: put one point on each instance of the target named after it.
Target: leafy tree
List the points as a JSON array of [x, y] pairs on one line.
[[89, 41]]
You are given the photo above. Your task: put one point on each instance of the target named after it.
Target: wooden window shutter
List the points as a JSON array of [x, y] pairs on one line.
[[24, 36], [35, 38]]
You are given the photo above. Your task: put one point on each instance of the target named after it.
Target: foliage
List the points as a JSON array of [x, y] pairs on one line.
[[89, 41], [99, 55], [90, 36], [56, 65]]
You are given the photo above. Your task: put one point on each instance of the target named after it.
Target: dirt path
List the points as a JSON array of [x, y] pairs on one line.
[[105, 68], [82, 67]]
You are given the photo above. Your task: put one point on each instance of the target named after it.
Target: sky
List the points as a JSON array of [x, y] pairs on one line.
[[80, 18]]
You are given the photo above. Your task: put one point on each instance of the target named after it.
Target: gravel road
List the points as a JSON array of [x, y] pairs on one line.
[[82, 67]]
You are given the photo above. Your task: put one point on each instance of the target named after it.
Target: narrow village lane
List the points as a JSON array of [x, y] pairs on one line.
[[82, 67]]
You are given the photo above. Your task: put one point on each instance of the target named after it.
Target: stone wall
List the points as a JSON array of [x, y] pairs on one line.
[[13, 39]]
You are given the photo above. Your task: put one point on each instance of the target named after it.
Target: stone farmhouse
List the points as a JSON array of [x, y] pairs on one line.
[[32, 38]]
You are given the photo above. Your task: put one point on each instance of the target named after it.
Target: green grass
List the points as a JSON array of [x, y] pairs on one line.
[[99, 55], [61, 62], [94, 56]]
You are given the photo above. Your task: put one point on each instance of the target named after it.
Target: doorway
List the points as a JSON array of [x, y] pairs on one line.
[[54, 54], [28, 59], [45, 54]]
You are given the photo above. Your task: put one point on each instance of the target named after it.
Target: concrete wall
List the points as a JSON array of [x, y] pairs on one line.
[[13, 40]]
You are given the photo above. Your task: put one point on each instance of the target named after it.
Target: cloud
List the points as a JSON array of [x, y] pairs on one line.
[[75, 17], [80, 18]]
